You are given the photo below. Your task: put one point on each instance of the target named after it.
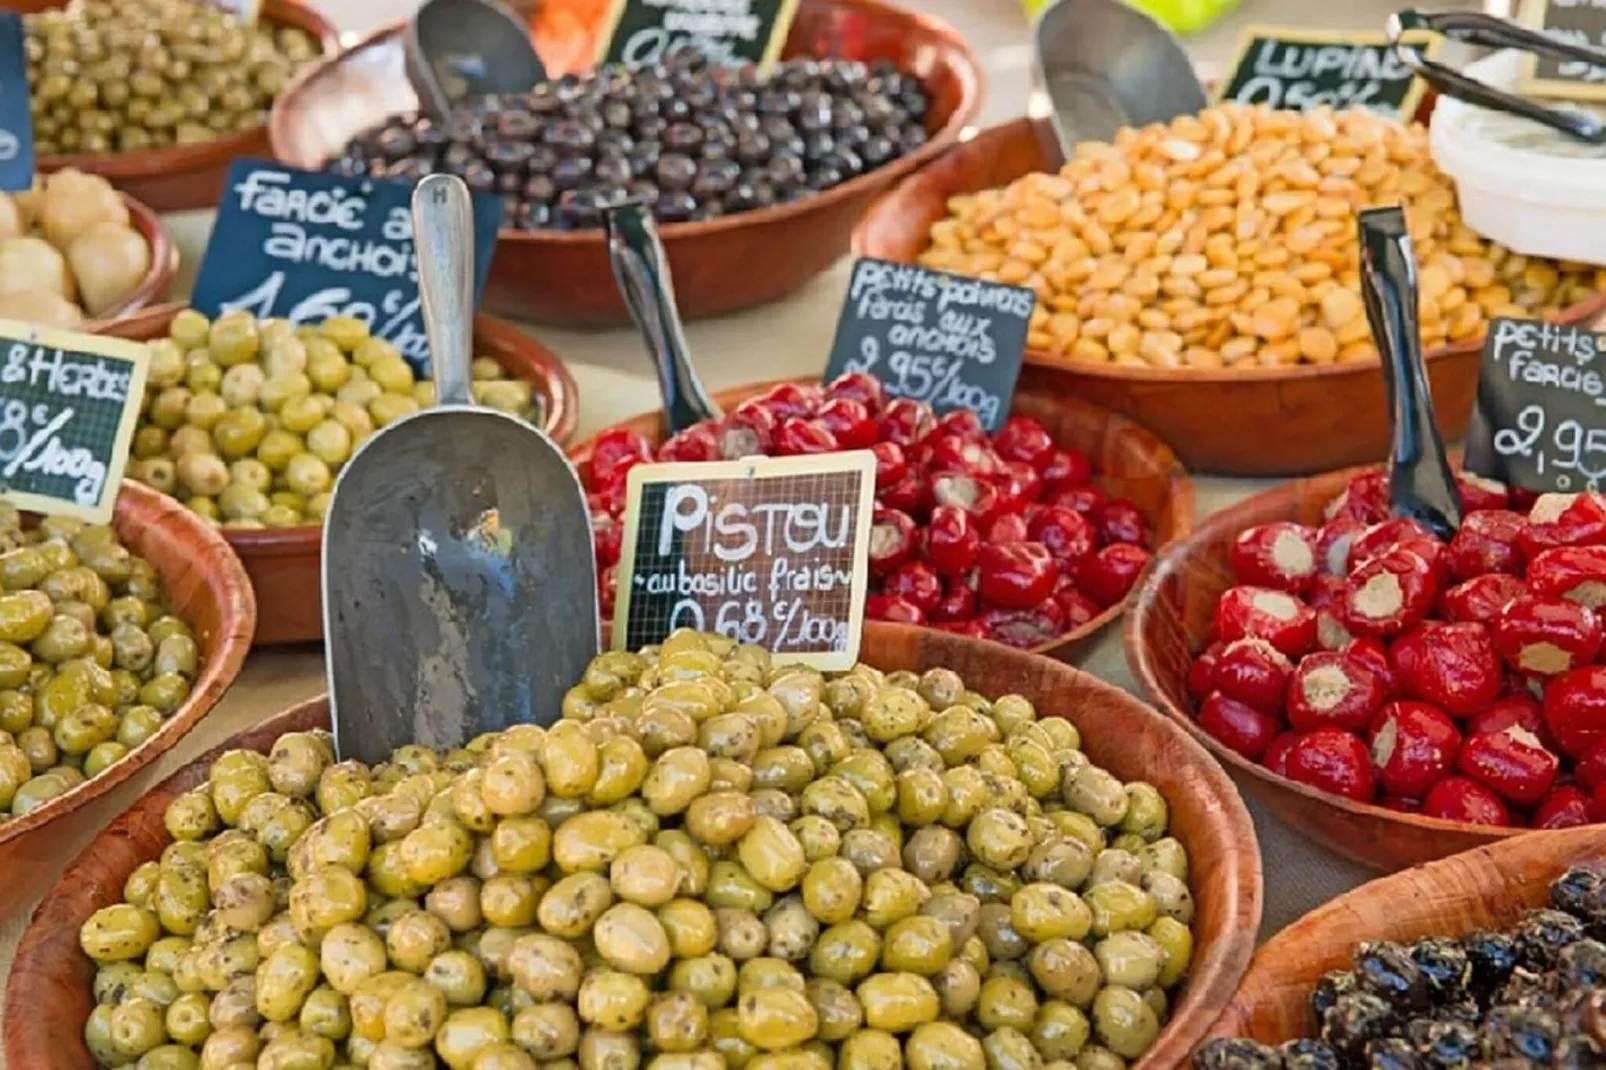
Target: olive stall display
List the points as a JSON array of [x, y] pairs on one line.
[[248, 421], [69, 251], [1226, 240], [1005, 536], [1462, 680], [91, 663], [711, 860], [693, 141], [112, 76], [1533, 997]]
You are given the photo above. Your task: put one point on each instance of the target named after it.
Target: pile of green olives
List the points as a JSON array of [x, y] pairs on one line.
[[125, 75], [247, 421], [713, 860], [90, 662]]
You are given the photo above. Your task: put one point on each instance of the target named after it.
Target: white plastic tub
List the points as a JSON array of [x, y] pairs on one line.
[[1533, 202]]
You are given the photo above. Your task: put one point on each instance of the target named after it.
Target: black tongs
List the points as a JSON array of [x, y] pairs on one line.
[[1473, 28]]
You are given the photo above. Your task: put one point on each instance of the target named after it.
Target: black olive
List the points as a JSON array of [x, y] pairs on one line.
[[1515, 1031], [508, 157], [394, 143], [478, 177], [517, 125], [1354, 1020], [1583, 964], [572, 173], [1441, 1045], [1445, 967], [784, 170], [1328, 989], [1581, 892], [540, 189], [715, 179], [1387, 970], [1541, 935], [1308, 1054], [1493, 957], [1391, 1053], [1236, 1053], [676, 206]]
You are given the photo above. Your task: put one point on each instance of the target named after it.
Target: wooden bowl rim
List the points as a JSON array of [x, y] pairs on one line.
[[1210, 982], [173, 159], [1576, 845], [559, 388], [965, 67], [236, 626], [158, 277], [1179, 494], [1166, 564], [1581, 312]]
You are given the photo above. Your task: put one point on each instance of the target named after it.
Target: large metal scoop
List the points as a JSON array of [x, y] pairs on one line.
[[459, 586], [460, 49]]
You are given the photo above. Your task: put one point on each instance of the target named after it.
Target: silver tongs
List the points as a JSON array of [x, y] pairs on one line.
[[1473, 28]]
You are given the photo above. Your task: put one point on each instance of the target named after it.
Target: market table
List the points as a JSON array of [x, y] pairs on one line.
[[788, 338]]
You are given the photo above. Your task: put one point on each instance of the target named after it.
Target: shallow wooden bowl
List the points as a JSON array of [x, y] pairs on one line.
[[1486, 888], [204, 584], [164, 265], [184, 177], [1170, 618], [1254, 422], [53, 976], [719, 266], [285, 564], [1128, 461]]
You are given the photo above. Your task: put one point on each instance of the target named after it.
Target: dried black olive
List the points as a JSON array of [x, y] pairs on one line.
[[1493, 957], [1307, 1054], [1391, 1053], [1581, 892], [1354, 1020], [1541, 934], [1582, 964], [1515, 1031], [1236, 1053], [1327, 991], [1445, 967], [1443, 1045], [1388, 970]]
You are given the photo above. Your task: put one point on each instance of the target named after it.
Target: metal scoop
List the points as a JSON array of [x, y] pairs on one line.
[[460, 49], [459, 585], [1105, 65], [1421, 483], [642, 272]]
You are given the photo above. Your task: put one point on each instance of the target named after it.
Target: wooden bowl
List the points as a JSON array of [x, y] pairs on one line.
[[563, 278], [1170, 617], [164, 265], [204, 585], [52, 975], [1128, 461], [1254, 422], [184, 177], [1485, 888], [285, 564]]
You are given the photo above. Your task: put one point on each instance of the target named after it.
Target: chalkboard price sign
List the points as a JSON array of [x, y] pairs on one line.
[[1581, 22], [951, 341], [1300, 70], [308, 245], [16, 116], [68, 405], [642, 32], [1540, 420], [768, 551]]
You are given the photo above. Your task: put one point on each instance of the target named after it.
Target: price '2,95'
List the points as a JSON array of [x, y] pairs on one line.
[[935, 380], [1566, 447]]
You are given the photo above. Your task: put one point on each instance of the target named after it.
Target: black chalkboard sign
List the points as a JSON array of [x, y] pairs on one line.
[[951, 341], [307, 245], [68, 406], [768, 551], [1540, 420], [642, 32], [1300, 70], [16, 116], [1581, 22]]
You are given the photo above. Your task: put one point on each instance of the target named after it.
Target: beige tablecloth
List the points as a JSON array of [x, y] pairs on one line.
[[791, 337]]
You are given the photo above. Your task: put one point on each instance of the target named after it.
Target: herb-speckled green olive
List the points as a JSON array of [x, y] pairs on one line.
[[1123, 1022]]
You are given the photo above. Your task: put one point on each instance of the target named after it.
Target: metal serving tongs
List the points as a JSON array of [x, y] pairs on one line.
[[1474, 28], [642, 272], [459, 49], [1421, 483]]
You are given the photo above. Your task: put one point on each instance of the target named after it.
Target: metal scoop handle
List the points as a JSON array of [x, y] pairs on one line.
[[642, 272], [1474, 28], [1421, 484], [443, 244]]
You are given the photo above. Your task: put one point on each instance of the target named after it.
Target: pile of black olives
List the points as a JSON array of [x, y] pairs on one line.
[[693, 140], [1533, 997], [712, 861]]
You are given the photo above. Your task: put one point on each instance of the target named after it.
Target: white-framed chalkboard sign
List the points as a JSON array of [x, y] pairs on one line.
[[639, 33], [1582, 22], [770, 551], [1300, 70], [68, 406]]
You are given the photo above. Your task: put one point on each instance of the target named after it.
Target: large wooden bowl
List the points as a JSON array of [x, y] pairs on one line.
[[1128, 461], [1170, 618], [286, 564], [51, 976], [164, 265], [1486, 888], [204, 585], [1253, 422], [183, 177], [719, 266]]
